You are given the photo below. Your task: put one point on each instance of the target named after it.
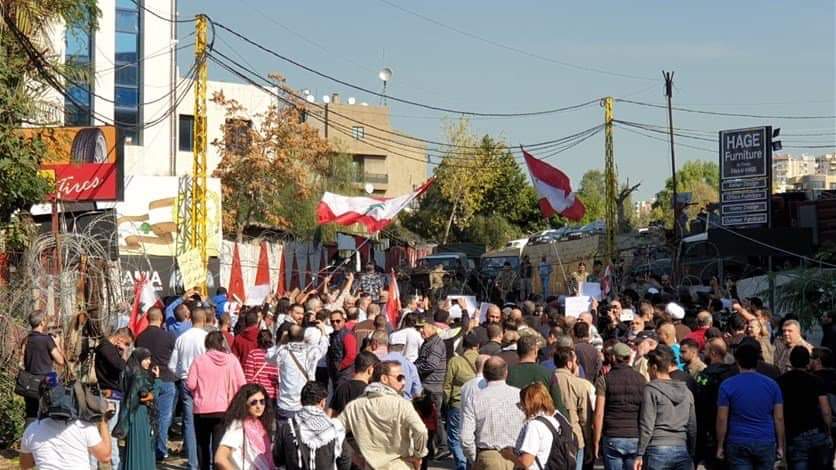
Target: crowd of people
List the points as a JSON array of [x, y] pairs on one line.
[[327, 378]]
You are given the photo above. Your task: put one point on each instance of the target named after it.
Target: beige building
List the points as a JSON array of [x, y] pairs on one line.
[[385, 158], [791, 172]]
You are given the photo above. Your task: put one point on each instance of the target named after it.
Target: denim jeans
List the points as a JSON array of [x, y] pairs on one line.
[[454, 441], [752, 456], [544, 281], [189, 440], [619, 453], [668, 458], [165, 409], [579, 460], [809, 450]]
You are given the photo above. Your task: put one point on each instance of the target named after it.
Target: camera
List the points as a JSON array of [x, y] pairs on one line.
[[73, 401]]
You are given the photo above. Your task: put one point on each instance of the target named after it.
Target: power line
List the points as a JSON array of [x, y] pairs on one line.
[[395, 98], [512, 48], [678, 144], [716, 113], [153, 13]]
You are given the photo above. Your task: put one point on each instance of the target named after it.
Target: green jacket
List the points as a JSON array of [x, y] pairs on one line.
[[460, 369]]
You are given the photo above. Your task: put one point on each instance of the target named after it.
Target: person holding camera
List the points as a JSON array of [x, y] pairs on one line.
[[109, 362], [41, 354], [137, 414]]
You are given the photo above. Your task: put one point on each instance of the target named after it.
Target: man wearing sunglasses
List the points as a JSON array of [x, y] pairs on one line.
[[402, 443]]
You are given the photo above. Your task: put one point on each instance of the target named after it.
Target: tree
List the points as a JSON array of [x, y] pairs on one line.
[[24, 36], [700, 178], [592, 193], [269, 173]]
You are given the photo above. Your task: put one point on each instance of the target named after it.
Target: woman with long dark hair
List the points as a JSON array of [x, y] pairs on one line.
[[248, 425], [137, 416], [256, 368]]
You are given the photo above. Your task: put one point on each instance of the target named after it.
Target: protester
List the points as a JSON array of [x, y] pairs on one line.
[[494, 344], [689, 350], [178, 315], [755, 329], [544, 270], [110, 359], [617, 406], [667, 420], [790, 338], [214, 378], [526, 272], [750, 416], [574, 394], [296, 362], [408, 336], [535, 442], [588, 356], [381, 347], [248, 423], [704, 323], [161, 344], [41, 353], [189, 345], [400, 441], [364, 365], [432, 367], [460, 369], [491, 420], [137, 416], [257, 370], [342, 349], [53, 444], [475, 384], [247, 339], [807, 415]]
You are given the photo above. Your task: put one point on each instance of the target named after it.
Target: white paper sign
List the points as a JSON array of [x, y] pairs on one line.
[[256, 295], [577, 305], [483, 312], [591, 289], [466, 302]]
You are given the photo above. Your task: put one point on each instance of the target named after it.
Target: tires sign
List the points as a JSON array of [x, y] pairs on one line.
[[83, 163], [745, 176]]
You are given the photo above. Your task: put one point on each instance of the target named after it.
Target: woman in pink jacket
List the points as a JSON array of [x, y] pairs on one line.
[[214, 379]]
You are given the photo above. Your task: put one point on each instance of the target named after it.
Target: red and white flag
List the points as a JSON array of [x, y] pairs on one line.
[[554, 190], [374, 213], [144, 298], [393, 305]]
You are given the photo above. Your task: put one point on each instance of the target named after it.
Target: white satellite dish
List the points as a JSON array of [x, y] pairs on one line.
[[385, 74], [351, 100], [311, 99], [326, 99], [369, 188], [306, 92]]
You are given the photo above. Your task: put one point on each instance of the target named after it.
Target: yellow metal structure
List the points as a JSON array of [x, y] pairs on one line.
[[610, 179], [197, 211]]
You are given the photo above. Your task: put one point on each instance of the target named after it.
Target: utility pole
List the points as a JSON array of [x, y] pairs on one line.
[[677, 230], [197, 210], [326, 121], [610, 182]]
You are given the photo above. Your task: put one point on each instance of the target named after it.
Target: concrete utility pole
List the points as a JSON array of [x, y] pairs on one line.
[[677, 230]]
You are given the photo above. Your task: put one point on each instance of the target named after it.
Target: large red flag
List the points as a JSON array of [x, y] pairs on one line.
[[280, 287], [236, 279], [554, 190], [262, 274], [144, 299], [393, 305]]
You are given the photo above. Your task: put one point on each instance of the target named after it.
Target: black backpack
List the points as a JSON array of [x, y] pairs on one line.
[[564, 451]]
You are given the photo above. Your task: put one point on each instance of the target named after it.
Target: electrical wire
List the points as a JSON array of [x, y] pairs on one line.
[[678, 144], [512, 48], [153, 13], [716, 113], [395, 98]]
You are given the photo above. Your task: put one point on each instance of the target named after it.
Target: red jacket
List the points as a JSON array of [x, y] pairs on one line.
[[245, 342]]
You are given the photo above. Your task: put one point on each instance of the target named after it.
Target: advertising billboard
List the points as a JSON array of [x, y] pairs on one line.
[[745, 177], [85, 163]]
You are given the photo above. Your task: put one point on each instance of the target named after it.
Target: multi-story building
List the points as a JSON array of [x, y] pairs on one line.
[[385, 158], [791, 172]]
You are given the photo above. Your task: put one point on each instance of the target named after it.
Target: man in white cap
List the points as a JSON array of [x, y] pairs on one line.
[[677, 314]]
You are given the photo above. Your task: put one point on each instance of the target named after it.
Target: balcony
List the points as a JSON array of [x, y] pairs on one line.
[[374, 178]]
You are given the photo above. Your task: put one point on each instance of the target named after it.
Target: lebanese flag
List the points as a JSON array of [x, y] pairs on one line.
[[144, 298], [554, 189], [373, 213], [236, 279], [393, 305]]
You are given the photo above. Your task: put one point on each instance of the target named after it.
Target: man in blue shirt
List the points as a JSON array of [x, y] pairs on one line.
[[178, 315], [750, 416], [379, 345]]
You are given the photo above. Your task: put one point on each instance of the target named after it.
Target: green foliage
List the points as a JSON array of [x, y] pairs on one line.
[[809, 294], [12, 412], [701, 178], [592, 193], [479, 195]]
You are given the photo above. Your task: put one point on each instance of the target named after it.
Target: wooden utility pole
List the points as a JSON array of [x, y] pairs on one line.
[[677, 230]]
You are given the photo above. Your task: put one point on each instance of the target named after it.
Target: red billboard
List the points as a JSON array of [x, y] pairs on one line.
[[85, 163]]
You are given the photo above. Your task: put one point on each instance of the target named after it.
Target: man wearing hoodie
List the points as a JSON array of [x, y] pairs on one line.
[[387, 430], [667, 421], [247, 339]]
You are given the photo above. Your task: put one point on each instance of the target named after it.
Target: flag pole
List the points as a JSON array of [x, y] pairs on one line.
[[556, 252]]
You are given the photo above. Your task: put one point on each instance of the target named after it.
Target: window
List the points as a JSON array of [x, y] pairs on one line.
[[359, 133], [127, 93], [186, 132], [78, 105], [237, 135]]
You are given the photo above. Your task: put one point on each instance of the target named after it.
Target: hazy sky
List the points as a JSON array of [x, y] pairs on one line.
[[754, 56]]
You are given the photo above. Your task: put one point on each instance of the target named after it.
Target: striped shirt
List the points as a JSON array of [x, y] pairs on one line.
[[269, 375], [491, 418]]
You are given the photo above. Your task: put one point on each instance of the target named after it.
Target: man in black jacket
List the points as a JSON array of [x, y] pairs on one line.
[[432, 367], [109, 362], [311, 440], [708, 388]]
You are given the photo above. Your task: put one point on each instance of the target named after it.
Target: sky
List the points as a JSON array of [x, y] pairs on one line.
[[762, 57]]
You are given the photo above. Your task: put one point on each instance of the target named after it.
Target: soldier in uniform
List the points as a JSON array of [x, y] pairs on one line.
[[436, 281], [505, 282]]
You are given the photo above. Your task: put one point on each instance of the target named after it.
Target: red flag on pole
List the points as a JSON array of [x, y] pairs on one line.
[[236, 279], [393, 305], [280, 286], [262, 274], [144, 299], [554, 190]]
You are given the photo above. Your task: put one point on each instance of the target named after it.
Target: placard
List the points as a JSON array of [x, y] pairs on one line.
[[577, 305], [591, 289], [256, 295], [192, 270], [467, 302]]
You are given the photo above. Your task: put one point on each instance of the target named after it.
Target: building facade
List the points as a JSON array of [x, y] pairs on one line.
[[802, 172]]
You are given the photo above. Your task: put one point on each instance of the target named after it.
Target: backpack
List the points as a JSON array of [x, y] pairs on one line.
[[564, 451]]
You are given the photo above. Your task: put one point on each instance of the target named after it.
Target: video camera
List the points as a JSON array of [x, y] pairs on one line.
[[72, 401]]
